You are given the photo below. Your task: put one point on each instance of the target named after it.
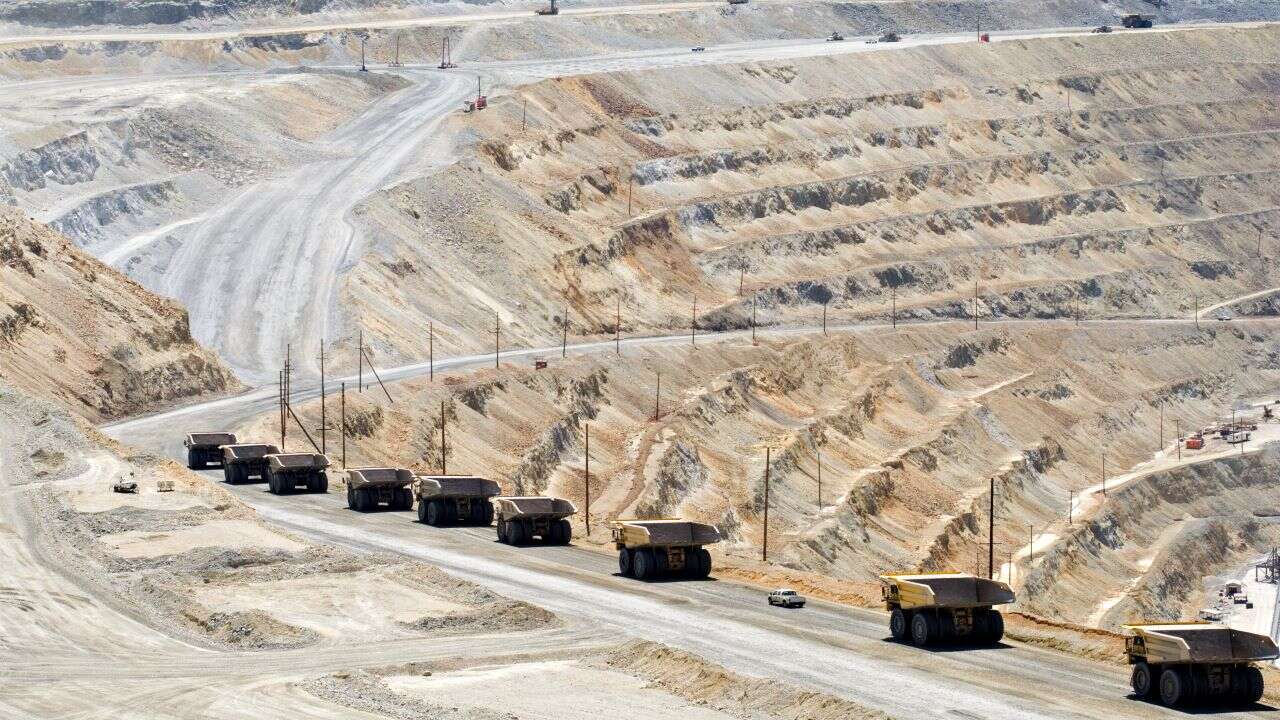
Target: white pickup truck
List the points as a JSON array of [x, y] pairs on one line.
[[786, 598]]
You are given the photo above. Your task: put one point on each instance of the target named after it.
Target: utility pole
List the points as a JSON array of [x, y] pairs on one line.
[[360, 365], [818, 450], [280, 402], [431, 350], [693, 327], [444, 455], [991, 527], [824, 318], [765, 549], [497, 336], [396, 61], [1196, 297], [586, 479], [1104, 473], [324, 426], [1031, 545], [524, 115], [742, 276], [630, 183], [1071, 505], [343, 422], [1161, 447], [363, 38], [564, 338], [976, 274], [1177, 428], [1259, 242], [894, 294], [657, 393], [617, 327], [753, 320]]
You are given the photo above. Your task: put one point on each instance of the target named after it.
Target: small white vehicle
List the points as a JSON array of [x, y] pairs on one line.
[[786, 598]]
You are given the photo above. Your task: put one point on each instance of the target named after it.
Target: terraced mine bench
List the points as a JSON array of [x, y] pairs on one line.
[[455, 499], [930, 608], [287, 471], [654, 548], [1196, 663], [520, 519], [205, 448], [369, 487], [245, 461]]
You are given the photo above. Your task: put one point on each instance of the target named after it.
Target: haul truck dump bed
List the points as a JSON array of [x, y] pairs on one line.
[[205, 448], [651, 548], [286, 471], [246, 460], [522, 518], [455, 499], [944, 606], [369, 487], [1197, 663]]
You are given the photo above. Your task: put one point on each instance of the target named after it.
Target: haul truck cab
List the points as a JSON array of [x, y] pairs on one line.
[[939, 607], [1197, 663]]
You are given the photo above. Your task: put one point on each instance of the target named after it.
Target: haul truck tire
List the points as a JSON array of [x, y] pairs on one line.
[[404, 499], [1255, 685], [193, 463], [643, 564], [995, 627], [320, 484], [624, 562], [351, 498], [1142, 681], [566, 532], [422, 512], [1173, 687], [899, 624], [924, 629], [435, 513], [704, 563], [517, 533]]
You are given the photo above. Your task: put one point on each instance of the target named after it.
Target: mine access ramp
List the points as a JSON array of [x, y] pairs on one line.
[[245, 461], [286, 472], [654, 548], [370, 487], [205, 448], [938, 607], [455, 499], [1197, 663], [520, 519]]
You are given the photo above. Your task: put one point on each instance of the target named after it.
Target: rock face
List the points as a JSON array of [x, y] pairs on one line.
[[77, 332]]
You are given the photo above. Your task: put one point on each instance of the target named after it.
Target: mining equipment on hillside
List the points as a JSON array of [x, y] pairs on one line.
[[655, 548], [1135, 21], [549, 10], [737, 2], [369, 487], [455, 499], [1268, 571], [940, 607], [205, 448], [1197, 663], [520, 519], [245, 461], [286, 472]]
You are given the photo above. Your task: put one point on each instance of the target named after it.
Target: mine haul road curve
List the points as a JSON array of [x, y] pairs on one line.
[[285, 243], [836, 649]]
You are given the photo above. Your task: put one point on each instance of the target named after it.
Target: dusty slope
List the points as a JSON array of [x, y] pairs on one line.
[[77, 332], [908, 182]]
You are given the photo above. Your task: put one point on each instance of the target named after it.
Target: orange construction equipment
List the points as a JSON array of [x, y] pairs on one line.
[[1195, 443]]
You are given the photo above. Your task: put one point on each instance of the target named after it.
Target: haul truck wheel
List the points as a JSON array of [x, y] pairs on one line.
[[1173, 687], [898, 624], [704, 562], [995, 627], [193, 460], [273, 484], [518, 532], [1255, 684], [422, 511], [404, 499], [566, 532], [1141, 680], [487, 520], [624, 562], [351, 498], [643, 564], [923, 629], [502, 531], [322, 483], [435, 513]]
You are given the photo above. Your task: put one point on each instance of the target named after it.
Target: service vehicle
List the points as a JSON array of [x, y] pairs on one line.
[[455, 499], [653, 548], [1196, 663], [1102, 29], [242, 462], [835, 37], [699, 48], [785, 597], [370, 487], [286, 472], [1134, 21], [941, 607], [521, 519], [890, 37], [205, 448]]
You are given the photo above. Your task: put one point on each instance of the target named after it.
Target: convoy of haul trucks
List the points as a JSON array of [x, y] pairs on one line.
[[1176, 664]]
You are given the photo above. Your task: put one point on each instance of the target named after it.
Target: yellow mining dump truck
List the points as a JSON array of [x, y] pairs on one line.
[[939, 607], [653, 548], [287, 471], [205, 448], [244, 461], [455, 499], [1196, 663], [369, 487], [522, 518]]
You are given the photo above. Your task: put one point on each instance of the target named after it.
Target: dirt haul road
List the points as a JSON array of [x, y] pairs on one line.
[[836, 649]]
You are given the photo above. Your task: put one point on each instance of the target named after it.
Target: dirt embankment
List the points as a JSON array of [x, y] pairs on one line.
[[81, 334]]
